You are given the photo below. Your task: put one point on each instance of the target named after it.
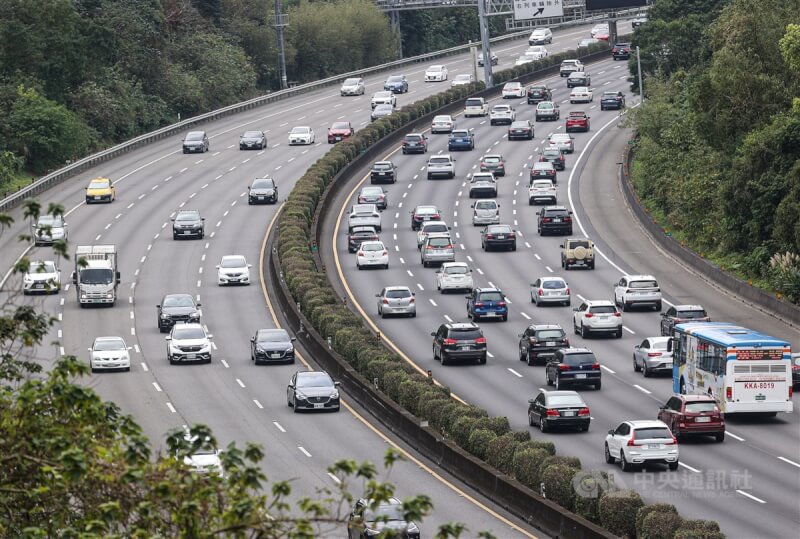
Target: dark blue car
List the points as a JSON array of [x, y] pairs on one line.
[[397, 84], [487, 303], [461, 139]]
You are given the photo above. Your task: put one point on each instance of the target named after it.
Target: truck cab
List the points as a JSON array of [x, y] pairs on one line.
[[96, 274]]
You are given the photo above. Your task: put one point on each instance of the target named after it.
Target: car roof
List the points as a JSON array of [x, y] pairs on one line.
[[646, 423], [492, 156], [640, 277], [371, 242], [538, 327], [689, 308], [397, 287], [696, 398], [488, 289], [599, 302], [576, 350], [462, 325], [453, 264], [552, 278], [190, 325], [562, 393]]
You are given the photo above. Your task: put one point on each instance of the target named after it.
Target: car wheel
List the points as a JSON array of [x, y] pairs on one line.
[[547, 379], [575, 327], [720, 437], [619, 333], [542, 424], [645, 370], [584, 332], [623, 463], [171, 361], [505, 318], [598, 385], [625, 306], [530, 359], [530, 420], [609, 459], [673, 465], [658, 306], [635, 365], [443, 359], [682, 387]]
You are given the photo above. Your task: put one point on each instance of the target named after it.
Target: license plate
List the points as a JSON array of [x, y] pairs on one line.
[[97, 198], [338, 138], [383, 173], [580, 376], [466, 347], [261, 198], [501, 237], [187, 232], [191, 356], [550, 343], [569, 413], [702, 419], [490, 314], [38, 285], [653, 446], [440, 252], [556, 220], [318, 405], [274, 354]]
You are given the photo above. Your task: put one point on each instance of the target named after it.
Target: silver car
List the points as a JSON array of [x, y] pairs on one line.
[[437, 249], [485, 212], [109, 353], [550, 290], [431, 227], [454, 276], [563, 142], [396, 300], [441, 165], [373, 194], [48, 229], [381, 111], [353, 86], [652, 357]]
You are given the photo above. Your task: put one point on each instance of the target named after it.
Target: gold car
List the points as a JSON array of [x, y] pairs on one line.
[[100, 190]]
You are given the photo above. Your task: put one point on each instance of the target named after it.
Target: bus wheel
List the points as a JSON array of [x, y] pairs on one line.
[[683, 387]]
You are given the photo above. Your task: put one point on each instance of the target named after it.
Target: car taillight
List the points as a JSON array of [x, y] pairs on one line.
[[385, 252], [566, 342], [435, 216], [618, 314], [412, 300], [791, 391], [653, 354], [501, 303], [596, 366], [589, 315], [568, 291], [381, 197], [512, 235], [429, 247], [553, 413], [386, 301], [501, 165], [479, 304], [489, 236], [361, 253], [541, 292], [546, 220], [729, 393], [449, 341], [480, 340], [563, 367], [632, 441], [583, 412], [567, 219]]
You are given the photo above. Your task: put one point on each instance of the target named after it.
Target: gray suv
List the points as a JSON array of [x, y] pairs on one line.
[[187, 224], [437, 249]]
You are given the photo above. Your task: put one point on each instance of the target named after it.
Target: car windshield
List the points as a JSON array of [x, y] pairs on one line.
[[385, 512], [382, 166], [577, 114], [460, 133], [642, 284], [385, 108], [520, 125], [546, 167], [372, 247], [456, 270], [653, 432], [53, 221], [544, 334], [106, 345], [545, 106], [486, 205], [579, 359], [435, 68], [196, 135], [431, 229], [482, 178], [580, 90], [691, 314], [180, 332], [439, 161], [252, 134], [178, 301], [263, 183], [350, 82], [560, 138], [340, 125], [602, 309], [499, 229], [442, 119], [439, 242], [188, 216], [513, 85], [233, 262], [398, 293], [489, 296], [99, 184], [273, 335], [474, 102], [314, 379], [363, 208], [301, 130], [465, 333], [536, 48], [553, 284], [42, 267], [383, 94], [565, 400], [556, 213]]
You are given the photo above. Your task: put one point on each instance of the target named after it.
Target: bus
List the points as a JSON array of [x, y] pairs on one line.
[[744, 370]]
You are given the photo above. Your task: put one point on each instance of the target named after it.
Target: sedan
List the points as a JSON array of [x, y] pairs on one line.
[[423, 214], [339, 131], [454, 276], [262, 191], [550, 290], [233, 269], [353, 86], [652, 357], [42, 276], [397, 84], [359, 235], [494, 59], [373, 195], [301, 135], [384, 98], [462, 80], [396, 300], [521, 129], [381, 111], [372, 254], [562, 141], [554, 156], [443, 123], [436, 73], [367, 520], [109, 353], [312, 390], [498, 236], [100, 190], [494, 163], [253, 140], [581, 94], [512, 90], [553, 409], [271, 345], [578, 121]]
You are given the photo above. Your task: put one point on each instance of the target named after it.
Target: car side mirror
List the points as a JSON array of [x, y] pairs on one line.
[[472, 205], [662, 407], [663, 314], [377, 295], [117, 275], [531, 401], [217, 267], [413, 293], [611, 432], [198, 304], [167, 338], [252, 339], [293, 339], [670, 345], [575, 309], [89, 349], [249, 265], [173, 220], [291, 386], [337, 384], [433, 334], [74, 277], [561, 246]]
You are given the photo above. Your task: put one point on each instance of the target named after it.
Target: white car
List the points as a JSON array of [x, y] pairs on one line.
[[513, 89], [205, 460], [188, 343], [233, 269], [431, 227], [482, 185], [48, 229], [109, 353], [601, 28], [588, 41], [637, 290], [486, 212], [581, 94], [353, 86], [441, 165], [364, 215], [540, 36], [454, 276], [502, 114], [442, 123], [598, 316], [463, 79], [524, 59], [372, 254], [42, 276], [384, 97], [563, 141], [536, 51], [550, 290], [542, 192], [436, 73], [476, 106], [301, 135], [641, 442]]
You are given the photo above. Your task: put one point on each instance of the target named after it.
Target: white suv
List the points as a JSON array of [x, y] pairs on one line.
[[454, 276], [476, 106], [641, 442], [502, 113], [441, 165], [436, 73], [188, 342], [599, 316], [637, 289]]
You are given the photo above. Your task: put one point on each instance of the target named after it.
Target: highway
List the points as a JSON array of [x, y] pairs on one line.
[[239, 401], [748, 484]]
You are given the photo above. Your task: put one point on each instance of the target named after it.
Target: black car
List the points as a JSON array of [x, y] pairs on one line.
[[262, 191], [539, 93], [621, 51], [359, 235], [175, 309], [554, 220], [520, 129], [554, 409], [540, 342], [383, 172], [578, 78], [421, 214], [415, 143], [544, 170], [271, 345], [612, 101], [555, 157], [368, 520], [498, 237], [459, 341], [188, 223], [312, 390], [253, 140], [573, 366], [679, 314]]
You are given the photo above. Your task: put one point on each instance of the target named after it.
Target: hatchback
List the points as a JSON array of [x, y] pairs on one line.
[[641, 442], [575, 367], [550, 290], [459, 341], [396, 300], [498, 237], [437, 249], [372, 254], [312, 390], [547, 110], [196, 141], [652, 357], [431, 227], [253, 140], [271, 345], [233, 269], [454, 276], [262, 191], [554, 409], [485, 212], [693, 414], [422, 214], [486, 303], [540, 342]]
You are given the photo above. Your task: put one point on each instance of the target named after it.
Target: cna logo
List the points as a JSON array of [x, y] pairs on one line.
[[594, 483]]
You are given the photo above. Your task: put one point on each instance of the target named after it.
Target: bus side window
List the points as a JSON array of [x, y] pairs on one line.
[[680, 351]]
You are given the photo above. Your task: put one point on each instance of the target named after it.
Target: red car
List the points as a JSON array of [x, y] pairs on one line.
[[577, 121], [602, 36], [339, 131], [693, 415]]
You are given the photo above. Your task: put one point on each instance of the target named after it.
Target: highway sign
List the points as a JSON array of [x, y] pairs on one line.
[[537, 9]]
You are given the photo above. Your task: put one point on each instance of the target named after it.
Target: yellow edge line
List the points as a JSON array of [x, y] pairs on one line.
[[350, 409]]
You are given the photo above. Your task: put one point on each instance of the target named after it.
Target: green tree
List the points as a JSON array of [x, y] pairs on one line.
[[10, 166], [790, 46]]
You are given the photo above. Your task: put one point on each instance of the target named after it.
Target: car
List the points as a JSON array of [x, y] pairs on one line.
[[603, 36], [678, 314], [431, 227], [233, 269], [188, 343], [578, 78], [588, 41], [578, 121], [100, 190], [397, 84], [459, 341], [373, 195], [537, 52], [543, 170], [524, 59], [581, 94], [461, 139], [482, 185], [652, 357], [621, 51], [396, 300], [454, 276], [49, 228], [262, 190], [600, 28], [633, 290], [545, 290], [547, 110], [554, 156], [494, 163], [436, 73], [475, 106], [485, 212], [540, 342], [441, 165], [488, 302], [364, 215], [353, 86], [493, 59], [271, 346], [385, 97], [513, 89], [443, 123], [558, 409], [641, 442], [437, 249], [538, 93], [205, 459], [42, 276], [795, 370], [312, 390], [577, 252], [372, 254], [339, 131], [301, 135], [693, 415], [542, 191], [359, 235], [369, 520], [498, 236], [522, 129], [381, 111], [612, 100], [177, 309], [597, 316], [554, 220], [540, 36], [415, 143], [462, 79], [422, 214], [502, 114], [252, 140], [573, 367], [570, 66], [109, 353], [639, 21], [563, 141], [188, 223], [196, 141]]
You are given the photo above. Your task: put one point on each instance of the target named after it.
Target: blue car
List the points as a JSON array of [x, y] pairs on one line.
[[461, 139], [487, 303], [397, 84]]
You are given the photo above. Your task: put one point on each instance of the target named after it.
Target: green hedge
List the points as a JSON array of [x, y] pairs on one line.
[[651, 508], [618, 512]]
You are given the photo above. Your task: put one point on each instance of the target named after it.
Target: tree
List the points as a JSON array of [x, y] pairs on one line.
[[10, 165]]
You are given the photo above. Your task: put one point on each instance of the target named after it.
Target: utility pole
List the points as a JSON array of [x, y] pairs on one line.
[[487, 54], [280, 22], [639, 68]]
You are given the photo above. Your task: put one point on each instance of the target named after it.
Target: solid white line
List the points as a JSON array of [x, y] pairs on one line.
[[643, 390], [732, 435], [240, 383], [158, 388], [629, 330], [225, 363], [784, 459], [607, 369], [743, 493], [303, 450], [171, 408], [515, 373], [278, 426], [258, 404], [694, 470]]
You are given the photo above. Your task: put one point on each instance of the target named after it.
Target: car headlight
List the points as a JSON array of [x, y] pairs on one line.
[[194, 315], [206, 347], [165, 316], [289, 350], [299, 395], [27, 279], [109, 294], [335, 395], [83, 294]]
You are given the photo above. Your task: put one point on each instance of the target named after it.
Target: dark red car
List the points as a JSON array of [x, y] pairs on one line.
[[577, 121], [339, 131], [688, 415]]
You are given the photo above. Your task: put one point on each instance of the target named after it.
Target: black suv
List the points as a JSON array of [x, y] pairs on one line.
[[177, 308], [621, 51], [573, 366], [188, 223], [554, 220], [539, 93], [680, 314], [383, 172], [540, 342], [415, 143], [459, 341]]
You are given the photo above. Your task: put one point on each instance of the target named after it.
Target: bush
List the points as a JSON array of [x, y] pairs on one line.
[[659, 525], [410, 390], [500, 452], [462, 429], [589, 487], [442, 418], [652, 508], [699, 529], [479, 441], [618, 512], [557, 480], [572, 462], [392, 381], [525, 466], [550, 447]]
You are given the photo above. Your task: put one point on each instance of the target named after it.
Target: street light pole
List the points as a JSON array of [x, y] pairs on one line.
[[279, 24], [483, 21], [639, 68]]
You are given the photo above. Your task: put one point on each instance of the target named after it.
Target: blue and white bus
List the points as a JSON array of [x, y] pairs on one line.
[[744, 370]]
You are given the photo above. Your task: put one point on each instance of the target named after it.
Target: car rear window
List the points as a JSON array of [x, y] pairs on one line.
[[691, 314], [704, 406], [565, 400], [544, 334], [602, 309], [659, 345], [490, 296], [439, 242], [579, 359], [579, 243], [556, 213], [465, 334], [382, 166], [435, 228], [413, 138], [642, 284], [486, 205], [398, 294], [474, 102], [502, 229], [653, 432], [553, 285], [456, 270], [439, 161], [372, 247], [545, 106], [490, 160], [422, 210]]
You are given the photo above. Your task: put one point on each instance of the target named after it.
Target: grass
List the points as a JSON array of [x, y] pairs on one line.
[[17, 182]]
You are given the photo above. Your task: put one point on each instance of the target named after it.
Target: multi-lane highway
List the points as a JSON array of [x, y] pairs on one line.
[[749, 483]]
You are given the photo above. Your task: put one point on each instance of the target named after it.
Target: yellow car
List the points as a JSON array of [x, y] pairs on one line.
[[100, 190]]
